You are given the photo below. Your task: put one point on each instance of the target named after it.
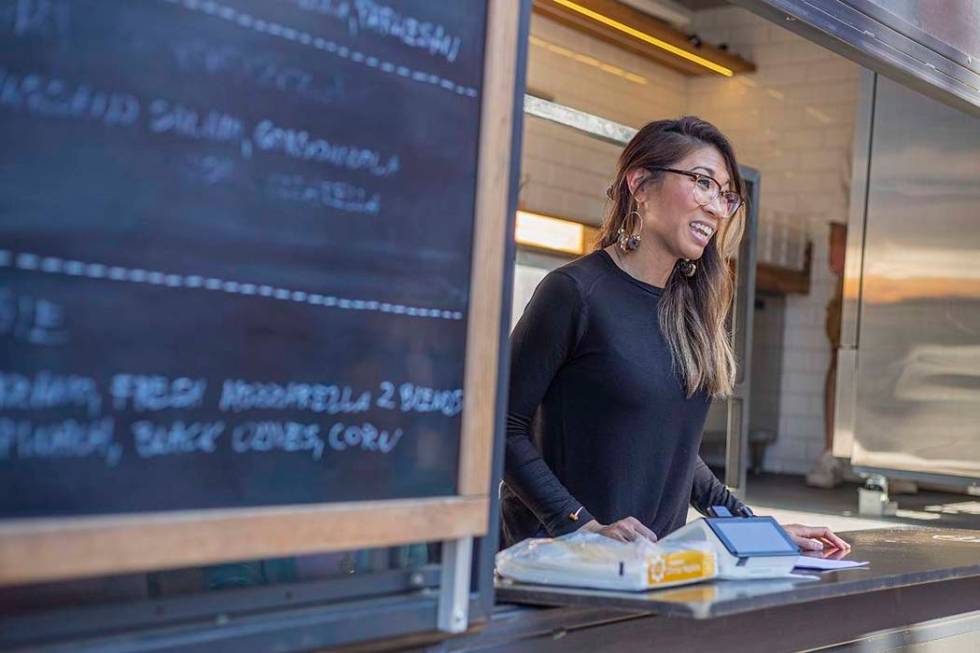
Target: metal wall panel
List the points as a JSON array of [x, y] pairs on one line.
[[853, 263], [918, 348], [950, 27], [933, 47]]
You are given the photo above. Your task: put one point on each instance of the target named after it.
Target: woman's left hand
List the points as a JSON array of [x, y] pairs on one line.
[[815, 538]]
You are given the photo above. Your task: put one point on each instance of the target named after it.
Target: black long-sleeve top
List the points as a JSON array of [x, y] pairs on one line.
[[598, 424]]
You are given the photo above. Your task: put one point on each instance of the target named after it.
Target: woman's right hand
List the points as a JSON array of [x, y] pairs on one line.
[[627, 529]]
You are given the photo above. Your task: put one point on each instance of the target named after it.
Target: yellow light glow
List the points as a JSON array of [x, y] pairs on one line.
[[546, 232], [565, 52], [589, 61], [592, 61], [819, 115], [646, 38]]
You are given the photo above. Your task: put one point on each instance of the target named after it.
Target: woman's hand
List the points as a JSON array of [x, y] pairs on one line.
[[627, 529], [815, 538]]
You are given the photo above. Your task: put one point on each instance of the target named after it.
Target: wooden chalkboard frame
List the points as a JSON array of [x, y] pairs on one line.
[[49, 549]]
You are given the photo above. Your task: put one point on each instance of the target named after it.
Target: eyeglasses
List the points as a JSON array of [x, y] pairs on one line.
[[707, 190]]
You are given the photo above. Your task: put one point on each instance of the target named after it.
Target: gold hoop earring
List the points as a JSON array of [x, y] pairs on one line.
[[687, 267], [630, 242]]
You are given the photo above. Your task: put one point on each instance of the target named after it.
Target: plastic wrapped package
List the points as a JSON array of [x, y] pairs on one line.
[[595, 561]]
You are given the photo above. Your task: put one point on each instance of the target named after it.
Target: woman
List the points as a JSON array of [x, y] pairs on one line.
[[619, 353]]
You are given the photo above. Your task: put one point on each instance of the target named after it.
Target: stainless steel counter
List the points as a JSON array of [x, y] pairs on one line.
[[898, 557], [915, 576]]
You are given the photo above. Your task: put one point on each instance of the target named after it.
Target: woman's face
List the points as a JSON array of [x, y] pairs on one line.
[[672, 218]]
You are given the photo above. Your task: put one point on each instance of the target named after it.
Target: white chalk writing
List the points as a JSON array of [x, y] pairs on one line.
[[65, 439], [47, 390], [372, 16], [208, 169], [263, 69], [213, 126], [176, 438], [387, 392], [282, 436], [44, 96], [299, 37], [324, 193], [53, 97], [364, 436], [299, 144], [91, 270], [31, 319], [151, 393], [421, 399], [239, 395], [36, 18]]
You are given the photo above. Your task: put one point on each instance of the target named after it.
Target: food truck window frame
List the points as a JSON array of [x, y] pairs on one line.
[[883, 40], [49, 550]]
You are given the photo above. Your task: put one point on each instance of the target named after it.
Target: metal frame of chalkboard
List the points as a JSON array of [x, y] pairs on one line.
[[49, 549]]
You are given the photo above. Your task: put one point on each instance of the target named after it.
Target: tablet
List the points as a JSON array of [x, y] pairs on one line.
[[753, 536]]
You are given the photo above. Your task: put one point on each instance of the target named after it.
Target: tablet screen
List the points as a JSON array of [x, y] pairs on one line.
[[750, 536]]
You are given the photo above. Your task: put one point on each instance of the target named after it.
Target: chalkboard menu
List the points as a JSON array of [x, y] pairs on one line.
[[235, 251]]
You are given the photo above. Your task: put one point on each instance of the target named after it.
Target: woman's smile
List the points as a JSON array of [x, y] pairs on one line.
[[702, 232]]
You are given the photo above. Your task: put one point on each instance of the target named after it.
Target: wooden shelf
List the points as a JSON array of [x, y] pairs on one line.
[[785, 281]]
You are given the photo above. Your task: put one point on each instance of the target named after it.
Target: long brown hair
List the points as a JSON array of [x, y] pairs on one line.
[[693, 310]]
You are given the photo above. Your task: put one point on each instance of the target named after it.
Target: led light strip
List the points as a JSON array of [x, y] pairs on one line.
[[646, 38]]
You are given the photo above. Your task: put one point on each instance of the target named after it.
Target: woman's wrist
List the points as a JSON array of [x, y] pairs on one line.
[[592, 526]]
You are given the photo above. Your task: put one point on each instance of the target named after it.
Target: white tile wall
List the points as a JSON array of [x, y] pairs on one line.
[[567, 173], [792, 120]]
